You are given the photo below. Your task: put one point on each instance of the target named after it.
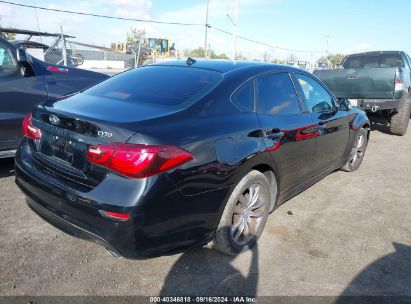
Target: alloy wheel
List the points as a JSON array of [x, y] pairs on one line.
[[357, 151], [248, 213]]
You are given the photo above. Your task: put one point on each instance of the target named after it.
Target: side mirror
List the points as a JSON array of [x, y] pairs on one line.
[[22, 56], [345, 104], [23, 60]]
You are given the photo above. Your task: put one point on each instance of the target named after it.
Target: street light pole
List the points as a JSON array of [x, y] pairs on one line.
[[206, 31]]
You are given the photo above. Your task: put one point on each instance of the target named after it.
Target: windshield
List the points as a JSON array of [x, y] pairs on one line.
[[158, 85], [369, 61]]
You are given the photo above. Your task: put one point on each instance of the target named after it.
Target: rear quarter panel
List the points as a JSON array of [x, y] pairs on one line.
[[220, 146]]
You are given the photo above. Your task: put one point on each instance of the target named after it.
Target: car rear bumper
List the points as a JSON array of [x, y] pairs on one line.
[[65, 225], [162, 220], [374, 105], [74, 217]]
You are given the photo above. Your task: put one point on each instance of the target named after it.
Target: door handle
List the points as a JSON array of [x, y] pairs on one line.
[[274, 134]]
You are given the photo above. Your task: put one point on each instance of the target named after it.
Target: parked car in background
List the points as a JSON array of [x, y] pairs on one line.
[[25, 81], [51, 55], [175, 155], [375, 82]]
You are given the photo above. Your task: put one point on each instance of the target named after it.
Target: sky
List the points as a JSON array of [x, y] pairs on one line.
[[301, 25]]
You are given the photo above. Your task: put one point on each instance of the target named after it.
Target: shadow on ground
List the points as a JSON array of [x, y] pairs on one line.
[[388, 276], [6, 167], [379, 123], [190, 275]]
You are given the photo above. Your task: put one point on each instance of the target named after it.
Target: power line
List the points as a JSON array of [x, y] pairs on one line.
[[98, 15], [265, 44]]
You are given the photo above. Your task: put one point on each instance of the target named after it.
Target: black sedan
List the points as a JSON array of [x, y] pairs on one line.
[[179, 154]]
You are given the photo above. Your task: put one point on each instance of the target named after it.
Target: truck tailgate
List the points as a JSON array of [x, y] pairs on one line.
[[370, 83]]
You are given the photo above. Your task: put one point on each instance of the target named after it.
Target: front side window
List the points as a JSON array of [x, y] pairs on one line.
[[7, 63], [165, 86], [318, 99], [276, 95]]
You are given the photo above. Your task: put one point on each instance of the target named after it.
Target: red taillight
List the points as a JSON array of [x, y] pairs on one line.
[[115, 215], [399, 81], [138, 161], [29, 130]]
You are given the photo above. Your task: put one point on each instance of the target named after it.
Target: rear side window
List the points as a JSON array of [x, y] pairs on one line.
[[158, 85], [243, 98], [276, 95], [369, 61]]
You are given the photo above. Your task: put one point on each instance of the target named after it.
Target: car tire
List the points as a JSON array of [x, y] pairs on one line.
[[400, 120], [357, 151], [245, 215]]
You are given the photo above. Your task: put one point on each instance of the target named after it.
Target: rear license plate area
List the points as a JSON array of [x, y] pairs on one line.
[[65, 150]]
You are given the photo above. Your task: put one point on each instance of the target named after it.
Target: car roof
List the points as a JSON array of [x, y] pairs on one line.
[[374, 53], [27, 43], [226, 66]]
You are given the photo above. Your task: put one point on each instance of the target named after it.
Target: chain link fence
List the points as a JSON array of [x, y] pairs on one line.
[[61, 51]]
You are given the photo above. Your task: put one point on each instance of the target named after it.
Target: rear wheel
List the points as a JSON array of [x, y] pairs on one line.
[[245, 215], [400, 120], [357, 151]]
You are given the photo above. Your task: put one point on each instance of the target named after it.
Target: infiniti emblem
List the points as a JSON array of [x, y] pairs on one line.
[[54, 119]]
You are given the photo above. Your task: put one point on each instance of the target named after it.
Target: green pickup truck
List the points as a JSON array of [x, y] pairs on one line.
[[375, 81]]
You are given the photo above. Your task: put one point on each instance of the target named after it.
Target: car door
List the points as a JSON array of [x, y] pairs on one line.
[[18, 95], [332, 125], [288, 131]]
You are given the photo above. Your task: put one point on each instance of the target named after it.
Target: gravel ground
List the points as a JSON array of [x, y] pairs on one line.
[[349, 234]]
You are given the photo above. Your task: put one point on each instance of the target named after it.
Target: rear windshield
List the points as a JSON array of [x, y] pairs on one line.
[[158, 85], [369, 61]]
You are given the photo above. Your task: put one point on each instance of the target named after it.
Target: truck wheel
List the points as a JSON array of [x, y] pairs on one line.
[[245, 215], [400, 120], [357, 152]]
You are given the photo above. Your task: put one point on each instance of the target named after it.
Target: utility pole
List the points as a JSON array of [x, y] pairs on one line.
[[64, 46], [327, 37], [236, 12], [206, 32]]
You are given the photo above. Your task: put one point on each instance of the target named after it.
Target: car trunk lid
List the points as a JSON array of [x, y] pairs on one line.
[[66, 137]]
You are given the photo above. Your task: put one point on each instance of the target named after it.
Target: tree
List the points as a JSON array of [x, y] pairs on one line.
[[292, 58], [332, 59], [240, 56], [199, 52], [278, 61], [221, 56], [7, 36], [135, 35]]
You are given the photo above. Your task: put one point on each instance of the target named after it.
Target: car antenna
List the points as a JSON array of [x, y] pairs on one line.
[[190, 61]]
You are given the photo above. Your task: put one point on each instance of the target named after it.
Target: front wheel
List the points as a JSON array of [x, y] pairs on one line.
[[245, 214], [357, 151]]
